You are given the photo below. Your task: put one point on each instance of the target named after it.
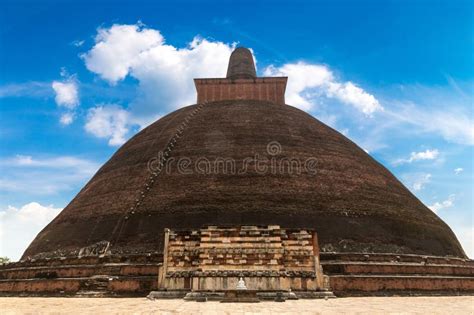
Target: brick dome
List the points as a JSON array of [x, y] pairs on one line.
[[352, 201]]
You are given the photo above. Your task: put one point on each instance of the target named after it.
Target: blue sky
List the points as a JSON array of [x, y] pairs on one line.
[[78, 78]]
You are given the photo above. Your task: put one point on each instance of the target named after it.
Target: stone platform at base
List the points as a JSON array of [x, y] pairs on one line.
[[221, 295], [240, 296], [349, 274]]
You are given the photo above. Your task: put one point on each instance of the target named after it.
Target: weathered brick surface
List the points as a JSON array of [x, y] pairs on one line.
[[357, 206], [247, 250], [367, 285], [353, 203], [391, 257], [377, 273], [397, 269], [268, 257], [350, 273], [64, 286], [261, 89], [77, 271]]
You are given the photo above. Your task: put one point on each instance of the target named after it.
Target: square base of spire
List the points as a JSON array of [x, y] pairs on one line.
[[271, 89]]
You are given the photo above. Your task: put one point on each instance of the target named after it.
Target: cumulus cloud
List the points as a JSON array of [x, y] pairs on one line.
[[108, 121], [425, 155], [164, 76], [66, 94], [118, 48], [19, 226], [417, 181], [448, 203], [351, 94], [304, 80], [66, 119], [458, 170], [28, 177], [164, 73], [418, 156], [309, 81]]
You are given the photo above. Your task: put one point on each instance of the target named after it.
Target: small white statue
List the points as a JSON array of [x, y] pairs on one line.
[[241, 284]]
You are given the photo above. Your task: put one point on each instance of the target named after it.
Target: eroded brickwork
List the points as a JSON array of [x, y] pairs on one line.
[[268, 257], [262, 89], [247, 250]]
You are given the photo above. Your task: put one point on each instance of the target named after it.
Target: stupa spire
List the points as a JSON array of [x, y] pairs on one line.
[[241, 83], [241, 64]]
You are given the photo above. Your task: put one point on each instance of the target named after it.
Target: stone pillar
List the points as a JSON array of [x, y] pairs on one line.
[[317, 266], [164, 267]]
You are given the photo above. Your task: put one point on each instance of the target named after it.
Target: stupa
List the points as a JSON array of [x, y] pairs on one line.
[[241, 184]]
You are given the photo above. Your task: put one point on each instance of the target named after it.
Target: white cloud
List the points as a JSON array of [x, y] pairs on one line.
[[458, 170], [78, 43], [108, 121], [19, 226], [117, 49], [454, 125], [26, 89], [424, 155], [54, 162], [448, 203], [301, 78], [67, 94], [411, 112], [417, 156], [307, 81], [416, 181], [420, 180], [44, 176], [351, 94], [66, 119], [164, 73]]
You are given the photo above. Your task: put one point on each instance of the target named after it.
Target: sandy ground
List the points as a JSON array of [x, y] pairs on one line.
[[359, 305]]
